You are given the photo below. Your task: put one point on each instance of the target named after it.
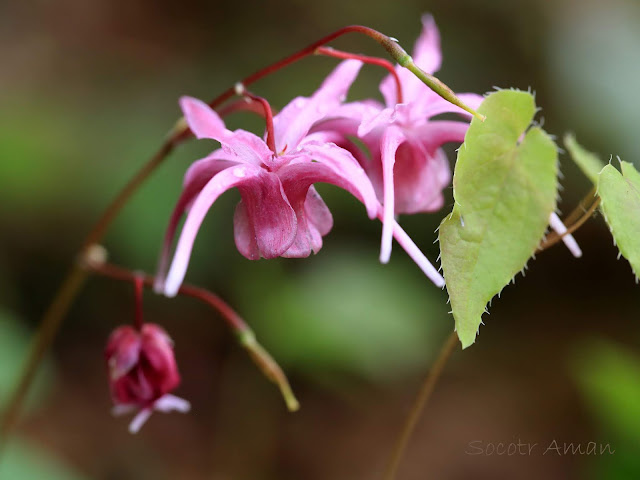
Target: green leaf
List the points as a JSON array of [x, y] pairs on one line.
[[505, 186], [620, 204], [588, 162]]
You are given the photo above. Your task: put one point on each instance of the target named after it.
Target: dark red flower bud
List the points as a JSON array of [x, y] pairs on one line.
[[142, 371]]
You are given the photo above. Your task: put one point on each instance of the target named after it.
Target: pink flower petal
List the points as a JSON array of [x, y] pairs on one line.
[[170, 403], [420, 177], [122, 351], [331, 164], [226, 179], [434, 134], [296, 119], [427, 55], [426, 51], [139, 420], [391, 139], [205, 123], [431, 105], [314, 221], [264, 222], [197, 176]]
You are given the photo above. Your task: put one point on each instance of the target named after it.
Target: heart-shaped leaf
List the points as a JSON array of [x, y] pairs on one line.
[[505, 186], [620, 204]]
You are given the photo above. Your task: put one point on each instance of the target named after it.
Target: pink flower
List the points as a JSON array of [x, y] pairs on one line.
[[142, 371], [280, 213], [407, 168]]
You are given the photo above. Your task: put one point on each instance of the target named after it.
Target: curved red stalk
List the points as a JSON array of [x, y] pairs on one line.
[[381, 62], [268, 116]]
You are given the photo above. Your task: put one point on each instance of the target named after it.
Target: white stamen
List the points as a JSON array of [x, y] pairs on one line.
[[139, 420], [416, 255], [169, 403], [560, 229]]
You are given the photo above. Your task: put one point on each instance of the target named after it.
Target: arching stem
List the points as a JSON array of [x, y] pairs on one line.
[[236, 324], [380, 62], [418, 406]]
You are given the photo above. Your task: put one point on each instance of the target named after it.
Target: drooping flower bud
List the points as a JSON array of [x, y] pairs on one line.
[[142, 371]]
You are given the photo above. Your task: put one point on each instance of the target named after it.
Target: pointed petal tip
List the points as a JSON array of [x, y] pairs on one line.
[[139, 420]]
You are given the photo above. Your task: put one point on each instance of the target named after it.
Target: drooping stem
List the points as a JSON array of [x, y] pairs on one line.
[[238, 326], [75, 279], [389, 44], [72, 284], [416, 410], [138, 284], [381, 62], [582, 207]]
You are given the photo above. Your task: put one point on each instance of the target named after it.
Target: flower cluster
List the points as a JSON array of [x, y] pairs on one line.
[[312, 141], [388, 155]]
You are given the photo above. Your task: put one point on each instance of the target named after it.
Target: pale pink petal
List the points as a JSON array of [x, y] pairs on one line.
[[296, 119], [139, 420], [382, 119], [420, 176], [122, 351], [207, 167], [205, 123], [569, 241], [223, 181], [431, 104], [426, 51], [434, 134], [264, 223], [197, 176], [391, 140], [167, 403], [426, 55], [314, 221], [317, 212], [170, 403], [400, 114], [202, 120], [331, 164]]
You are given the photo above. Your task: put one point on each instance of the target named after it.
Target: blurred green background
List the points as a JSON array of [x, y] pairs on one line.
[[87, 91]]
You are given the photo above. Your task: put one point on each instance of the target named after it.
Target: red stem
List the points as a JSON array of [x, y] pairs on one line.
[[235, 322], [381, 62], [268, 116], [305, 52], [138, 283], [241, 105]]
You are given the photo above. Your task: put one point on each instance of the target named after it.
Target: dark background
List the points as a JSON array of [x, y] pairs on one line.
[[88, 89]]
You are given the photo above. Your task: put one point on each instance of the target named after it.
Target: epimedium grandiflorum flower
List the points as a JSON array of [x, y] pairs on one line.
[[142, 371], [281, 213], [407, 166]]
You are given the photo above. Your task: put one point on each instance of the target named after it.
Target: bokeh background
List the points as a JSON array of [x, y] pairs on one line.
[[88, 89]]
